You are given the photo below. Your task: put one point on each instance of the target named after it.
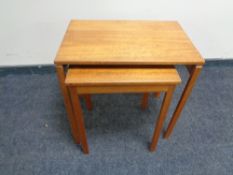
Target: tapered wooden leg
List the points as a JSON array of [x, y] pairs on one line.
[[144, 103], [88, 102], [194, 72], [79, 116], [68, 106], [162, 116], [157, 94]]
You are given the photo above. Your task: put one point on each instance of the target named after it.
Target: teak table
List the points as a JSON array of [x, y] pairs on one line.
[[127, 43]]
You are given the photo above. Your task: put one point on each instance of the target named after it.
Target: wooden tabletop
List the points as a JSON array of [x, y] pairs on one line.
[[122, 76], [103, 42]]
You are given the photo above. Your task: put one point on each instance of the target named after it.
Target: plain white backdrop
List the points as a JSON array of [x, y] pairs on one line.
[[31, 30]]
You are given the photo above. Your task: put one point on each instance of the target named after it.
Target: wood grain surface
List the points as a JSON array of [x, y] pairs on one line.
[[103, 42], [121, 76]]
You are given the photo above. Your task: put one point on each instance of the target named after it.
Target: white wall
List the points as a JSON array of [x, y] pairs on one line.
[[31, 30]]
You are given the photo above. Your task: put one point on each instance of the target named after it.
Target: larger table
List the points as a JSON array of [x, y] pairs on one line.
[[127, 43]]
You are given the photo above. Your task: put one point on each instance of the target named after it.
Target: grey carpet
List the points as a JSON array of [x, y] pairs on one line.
[[35, 135]]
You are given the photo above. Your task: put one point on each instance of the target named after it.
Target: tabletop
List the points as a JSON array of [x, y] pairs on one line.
[[108, 42]]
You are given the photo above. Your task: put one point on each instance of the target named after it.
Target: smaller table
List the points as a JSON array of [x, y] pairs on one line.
[[121, 80], [127, 43]]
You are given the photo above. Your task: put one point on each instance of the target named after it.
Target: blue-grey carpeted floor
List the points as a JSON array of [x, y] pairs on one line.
[[35, 136]]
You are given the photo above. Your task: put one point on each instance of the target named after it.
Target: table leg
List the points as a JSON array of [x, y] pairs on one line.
[[145, 98], [157, 94], [79, 116], [88, 101], [144, 103], [162, 116], [67, 101], [194, 72]]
